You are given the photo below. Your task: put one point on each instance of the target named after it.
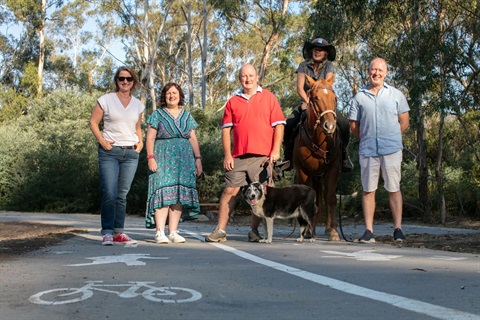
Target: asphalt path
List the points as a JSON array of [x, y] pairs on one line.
[[81, 279]]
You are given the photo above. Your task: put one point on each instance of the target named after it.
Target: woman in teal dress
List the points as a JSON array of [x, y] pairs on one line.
[[174, 162]]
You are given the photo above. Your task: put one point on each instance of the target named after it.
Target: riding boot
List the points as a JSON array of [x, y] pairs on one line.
[[347, 165], [291, 129], [287, 157], [344, 128]]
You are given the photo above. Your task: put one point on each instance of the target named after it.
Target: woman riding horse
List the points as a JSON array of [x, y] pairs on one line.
[[317, 153], [318, 55]]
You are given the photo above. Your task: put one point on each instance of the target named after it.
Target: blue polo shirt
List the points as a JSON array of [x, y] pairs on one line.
[[378, 119]]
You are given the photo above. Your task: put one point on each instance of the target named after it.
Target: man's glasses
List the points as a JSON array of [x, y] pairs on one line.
[[121, 79]]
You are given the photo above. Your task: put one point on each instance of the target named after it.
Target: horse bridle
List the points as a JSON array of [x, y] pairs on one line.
[[313, 146], [320, 116]]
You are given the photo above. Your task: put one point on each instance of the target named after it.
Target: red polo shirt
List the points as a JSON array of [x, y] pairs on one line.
[[253, 121]]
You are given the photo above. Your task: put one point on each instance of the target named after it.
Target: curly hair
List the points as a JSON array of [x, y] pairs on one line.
[[163, 100]]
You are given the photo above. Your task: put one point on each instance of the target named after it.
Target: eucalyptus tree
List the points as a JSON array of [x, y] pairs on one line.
[[143, 25], [188, 17], [68, 23], [9, 46], [81, 40], [187, 58], [263, 27], [432, 47], [66, 26], [458, 59], [33, 14], [341, 24], [444, 74]]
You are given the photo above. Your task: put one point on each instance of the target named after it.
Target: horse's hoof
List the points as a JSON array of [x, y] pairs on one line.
[[334, 237]]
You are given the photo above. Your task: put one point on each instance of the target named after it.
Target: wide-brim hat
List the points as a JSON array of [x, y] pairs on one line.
[[322, 43]]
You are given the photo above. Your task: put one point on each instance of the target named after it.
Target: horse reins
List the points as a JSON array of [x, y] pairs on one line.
[[315, 148]]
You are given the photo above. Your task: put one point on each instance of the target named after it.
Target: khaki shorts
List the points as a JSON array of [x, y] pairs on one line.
[[390, 165], [246, 169]]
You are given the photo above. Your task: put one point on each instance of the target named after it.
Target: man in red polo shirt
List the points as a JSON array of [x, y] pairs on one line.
[[255, 120]]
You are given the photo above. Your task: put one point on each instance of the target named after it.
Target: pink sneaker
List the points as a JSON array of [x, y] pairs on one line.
[[107, 240], [123, 238]]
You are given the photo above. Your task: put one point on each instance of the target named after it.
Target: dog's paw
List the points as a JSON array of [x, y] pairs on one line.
[[265, 241], [299, 239]]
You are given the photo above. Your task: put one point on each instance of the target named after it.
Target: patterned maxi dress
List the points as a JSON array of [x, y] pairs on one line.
[[174, 182]]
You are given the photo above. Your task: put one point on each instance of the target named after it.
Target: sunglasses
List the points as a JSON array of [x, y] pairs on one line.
[[121, 79]]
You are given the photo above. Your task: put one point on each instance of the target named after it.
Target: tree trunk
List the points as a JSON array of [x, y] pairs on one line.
[[41, 56], [151, 87], [277, 27], [421, 141], [204, 55], [266, 57], [438, 166], [189, 55]]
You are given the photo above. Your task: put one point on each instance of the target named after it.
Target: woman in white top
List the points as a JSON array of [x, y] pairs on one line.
[[120, 143]]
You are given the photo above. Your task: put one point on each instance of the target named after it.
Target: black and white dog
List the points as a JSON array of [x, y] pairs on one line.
[[296, 201]]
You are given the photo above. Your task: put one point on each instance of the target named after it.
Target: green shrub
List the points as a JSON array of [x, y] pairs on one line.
[[12, 104], [50, 159], [49, 163]]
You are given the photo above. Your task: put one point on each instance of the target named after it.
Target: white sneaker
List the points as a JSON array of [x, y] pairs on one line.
[[175, 237], [161, 238]]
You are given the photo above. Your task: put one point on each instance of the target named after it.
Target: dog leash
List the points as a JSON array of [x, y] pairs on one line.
[[270, 174], [268, 167]]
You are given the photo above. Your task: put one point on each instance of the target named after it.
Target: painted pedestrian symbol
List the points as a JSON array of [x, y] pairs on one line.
[[129, 259], [134, 289]]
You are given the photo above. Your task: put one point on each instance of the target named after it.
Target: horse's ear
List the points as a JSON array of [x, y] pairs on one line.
[[310, 80]]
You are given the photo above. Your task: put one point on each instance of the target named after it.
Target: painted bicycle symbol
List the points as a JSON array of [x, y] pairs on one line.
[[135, 289]]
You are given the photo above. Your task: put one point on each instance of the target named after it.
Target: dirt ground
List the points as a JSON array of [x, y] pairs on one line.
[[18, 238]]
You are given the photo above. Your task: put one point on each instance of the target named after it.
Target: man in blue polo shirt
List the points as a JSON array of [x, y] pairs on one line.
[[378, 117]]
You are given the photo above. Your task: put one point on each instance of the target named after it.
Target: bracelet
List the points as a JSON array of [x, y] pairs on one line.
[[198, 157], [150, 156]]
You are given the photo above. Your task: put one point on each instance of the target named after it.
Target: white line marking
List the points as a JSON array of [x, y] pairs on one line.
[[364, 255], [394, 300], [446, 258]]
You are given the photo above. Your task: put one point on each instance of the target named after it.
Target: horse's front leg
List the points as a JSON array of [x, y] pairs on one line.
[[331, 204]]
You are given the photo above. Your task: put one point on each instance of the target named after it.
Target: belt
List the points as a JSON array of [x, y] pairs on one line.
[[126, 147]]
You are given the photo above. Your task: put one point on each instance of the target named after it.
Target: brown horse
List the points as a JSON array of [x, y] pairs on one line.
[[317, 151]]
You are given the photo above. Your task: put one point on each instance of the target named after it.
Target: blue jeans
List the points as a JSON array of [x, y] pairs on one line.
[[117, 170]]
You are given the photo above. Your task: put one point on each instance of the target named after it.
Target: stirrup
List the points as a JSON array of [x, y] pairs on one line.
[[279, 168], [347, 165]]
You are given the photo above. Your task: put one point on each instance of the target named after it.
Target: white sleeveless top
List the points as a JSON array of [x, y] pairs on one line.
[[119, 122]]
